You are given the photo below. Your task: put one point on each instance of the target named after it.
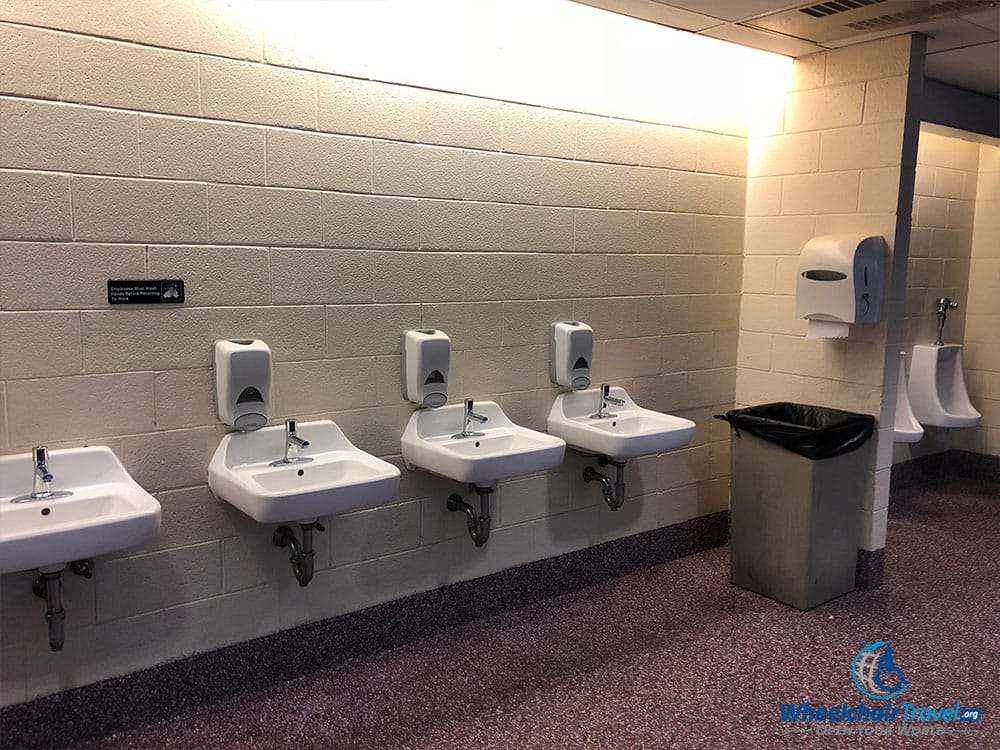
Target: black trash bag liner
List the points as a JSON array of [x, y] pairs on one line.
[[811, 431]]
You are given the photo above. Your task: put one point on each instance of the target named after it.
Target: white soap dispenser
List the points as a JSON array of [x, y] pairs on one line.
[[571, 352], [426, 360], [243, 383]]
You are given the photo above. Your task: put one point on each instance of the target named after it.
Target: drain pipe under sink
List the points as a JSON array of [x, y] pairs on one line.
[[479, 526], [301, 554], [613, 497], [48, 586]]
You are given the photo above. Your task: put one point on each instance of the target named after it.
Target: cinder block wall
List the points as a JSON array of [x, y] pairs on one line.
[[842, 160], [325, 214]]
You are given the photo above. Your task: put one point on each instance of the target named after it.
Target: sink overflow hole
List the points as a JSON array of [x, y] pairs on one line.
[[614, 424], [46, 511], [301, 472], [477, 443]]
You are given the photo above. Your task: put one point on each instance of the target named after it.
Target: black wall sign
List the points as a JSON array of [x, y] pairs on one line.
[[145, 291]]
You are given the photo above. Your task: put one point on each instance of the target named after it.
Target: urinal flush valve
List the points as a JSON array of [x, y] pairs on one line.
[[944, 305]]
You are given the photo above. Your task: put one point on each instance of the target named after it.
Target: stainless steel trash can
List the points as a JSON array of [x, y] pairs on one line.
[[795, 519]]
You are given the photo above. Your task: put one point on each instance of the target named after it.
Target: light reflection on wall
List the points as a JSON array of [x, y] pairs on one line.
[[548, 52]]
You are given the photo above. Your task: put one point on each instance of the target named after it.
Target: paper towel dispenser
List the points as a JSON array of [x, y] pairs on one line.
[[840, 281]]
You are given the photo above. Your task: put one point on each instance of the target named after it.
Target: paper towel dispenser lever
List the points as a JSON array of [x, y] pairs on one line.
[[840, 282]]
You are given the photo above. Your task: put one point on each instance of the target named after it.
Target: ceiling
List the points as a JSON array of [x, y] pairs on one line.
[[963, 45]]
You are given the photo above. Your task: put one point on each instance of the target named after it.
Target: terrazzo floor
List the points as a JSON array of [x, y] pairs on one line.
[[670, 656]]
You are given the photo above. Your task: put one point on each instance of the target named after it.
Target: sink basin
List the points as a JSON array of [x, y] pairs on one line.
[[107, 511], [631, 431], [503, 451], [339, 479]]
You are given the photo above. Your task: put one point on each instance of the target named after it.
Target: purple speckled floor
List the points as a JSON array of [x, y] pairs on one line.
[[669, 656]]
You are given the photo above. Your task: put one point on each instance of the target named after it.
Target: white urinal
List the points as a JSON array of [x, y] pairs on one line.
[[937, 387], [906, 428]]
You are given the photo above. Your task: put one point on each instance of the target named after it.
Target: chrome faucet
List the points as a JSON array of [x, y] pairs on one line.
[[606, 398], [944, 305], [292, 441], [41, 483], [470, 417]]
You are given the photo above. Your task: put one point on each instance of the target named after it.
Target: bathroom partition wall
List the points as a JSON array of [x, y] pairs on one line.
[[982, 320], [840, 160]]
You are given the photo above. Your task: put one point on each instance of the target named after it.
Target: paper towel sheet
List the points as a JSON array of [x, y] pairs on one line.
[[825, 329]]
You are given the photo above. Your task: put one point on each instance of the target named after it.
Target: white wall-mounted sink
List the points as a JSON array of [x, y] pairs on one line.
[[504, 450], [631, 431], [339, 479], [108, 510]]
